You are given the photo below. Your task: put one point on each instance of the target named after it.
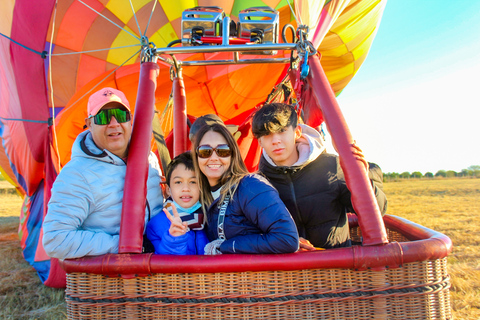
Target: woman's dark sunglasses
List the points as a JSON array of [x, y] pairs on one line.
[[222, 150], [104, 116]]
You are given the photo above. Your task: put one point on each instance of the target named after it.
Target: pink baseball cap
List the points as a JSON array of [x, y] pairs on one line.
[[104, 96]]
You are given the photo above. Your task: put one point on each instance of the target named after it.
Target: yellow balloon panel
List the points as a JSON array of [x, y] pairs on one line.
[[338, 74], [6, 13], [333, 46], [309, 11], [6, 176], [164, 35], [174, 9], [119, 57], [123, 9], [363, 47], [357, 26]]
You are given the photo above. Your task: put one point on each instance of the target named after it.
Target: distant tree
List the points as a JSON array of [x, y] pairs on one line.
[[465, 173], [451, 174], [405, 175], [441, 173], [428, 175], [475, 170], [416, 174], [390, 176], [1, 177]]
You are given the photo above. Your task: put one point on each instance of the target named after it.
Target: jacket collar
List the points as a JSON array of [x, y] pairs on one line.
[[310, 146], [84, 146]]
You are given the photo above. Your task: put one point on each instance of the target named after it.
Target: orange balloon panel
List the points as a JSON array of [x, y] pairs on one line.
[[228, 95]]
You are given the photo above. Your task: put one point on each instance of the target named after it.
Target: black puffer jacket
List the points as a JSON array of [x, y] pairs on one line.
[[318, 198]]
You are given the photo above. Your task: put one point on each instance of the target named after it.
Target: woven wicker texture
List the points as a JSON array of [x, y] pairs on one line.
[[418, 290]]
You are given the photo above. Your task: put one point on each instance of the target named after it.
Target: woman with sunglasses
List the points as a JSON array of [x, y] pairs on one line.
[[244, 212]]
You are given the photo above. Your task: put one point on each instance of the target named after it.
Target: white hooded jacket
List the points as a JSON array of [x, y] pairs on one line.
[[84, 211]]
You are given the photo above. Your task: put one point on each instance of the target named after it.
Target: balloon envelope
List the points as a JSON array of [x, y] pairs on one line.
[[54, 54]]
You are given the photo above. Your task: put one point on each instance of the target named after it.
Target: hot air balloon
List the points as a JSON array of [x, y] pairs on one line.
[[55, 53]]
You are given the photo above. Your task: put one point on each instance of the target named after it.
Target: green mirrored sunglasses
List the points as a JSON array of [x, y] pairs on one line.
[[103, 117]]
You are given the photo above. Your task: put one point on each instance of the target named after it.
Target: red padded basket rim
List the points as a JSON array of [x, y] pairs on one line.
[[425, 244]]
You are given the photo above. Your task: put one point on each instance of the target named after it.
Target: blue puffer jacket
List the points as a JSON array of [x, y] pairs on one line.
[[256, 220], [84, 211], [191, 242]]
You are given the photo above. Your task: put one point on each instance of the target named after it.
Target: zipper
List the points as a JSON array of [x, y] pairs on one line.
[[292, 190]]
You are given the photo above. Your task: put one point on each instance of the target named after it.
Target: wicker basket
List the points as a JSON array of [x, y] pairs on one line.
[[414, 290]]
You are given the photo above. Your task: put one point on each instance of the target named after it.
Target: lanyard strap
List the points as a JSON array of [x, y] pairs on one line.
[[221, 217]]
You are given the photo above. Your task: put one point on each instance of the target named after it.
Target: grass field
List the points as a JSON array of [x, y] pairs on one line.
[[450, 206]]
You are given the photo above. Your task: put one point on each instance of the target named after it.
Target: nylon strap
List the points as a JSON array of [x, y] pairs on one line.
[[161, 144], [221, 218]]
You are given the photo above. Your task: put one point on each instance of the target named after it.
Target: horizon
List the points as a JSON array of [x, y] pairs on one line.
[[412, 106]]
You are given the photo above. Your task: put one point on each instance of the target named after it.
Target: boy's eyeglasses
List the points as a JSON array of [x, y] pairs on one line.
[[104, 116], [222, 150]]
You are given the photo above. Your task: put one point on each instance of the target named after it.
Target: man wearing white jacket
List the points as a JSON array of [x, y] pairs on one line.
[[84, 211]]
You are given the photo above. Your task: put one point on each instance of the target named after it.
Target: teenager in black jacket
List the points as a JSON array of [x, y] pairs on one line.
[[310, 181]]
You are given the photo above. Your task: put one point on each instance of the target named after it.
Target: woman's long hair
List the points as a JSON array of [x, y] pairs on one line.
[[230, 178]]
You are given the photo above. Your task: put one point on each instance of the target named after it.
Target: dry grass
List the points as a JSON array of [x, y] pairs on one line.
[[450, 206], [22, 295]]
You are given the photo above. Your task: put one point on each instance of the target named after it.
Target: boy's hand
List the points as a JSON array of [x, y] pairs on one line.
[[177, 228], [305, 245], [213, 248]]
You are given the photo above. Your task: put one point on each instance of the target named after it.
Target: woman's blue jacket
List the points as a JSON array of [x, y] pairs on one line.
[[256, 220]]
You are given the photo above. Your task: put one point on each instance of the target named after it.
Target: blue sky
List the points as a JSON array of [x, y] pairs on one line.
[[414, 105]]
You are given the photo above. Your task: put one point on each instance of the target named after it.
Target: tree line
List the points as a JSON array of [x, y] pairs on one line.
[[471, 171]]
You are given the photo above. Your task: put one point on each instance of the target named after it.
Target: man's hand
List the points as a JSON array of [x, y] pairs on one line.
[[177, 228], [358, 153]]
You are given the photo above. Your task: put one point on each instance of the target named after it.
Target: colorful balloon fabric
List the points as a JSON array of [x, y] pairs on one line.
[[53, 54]]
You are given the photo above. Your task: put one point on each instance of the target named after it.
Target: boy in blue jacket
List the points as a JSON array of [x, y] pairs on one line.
[[179, 229]]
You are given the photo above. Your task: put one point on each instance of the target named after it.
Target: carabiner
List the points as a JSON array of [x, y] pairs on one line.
[[305, 68]]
